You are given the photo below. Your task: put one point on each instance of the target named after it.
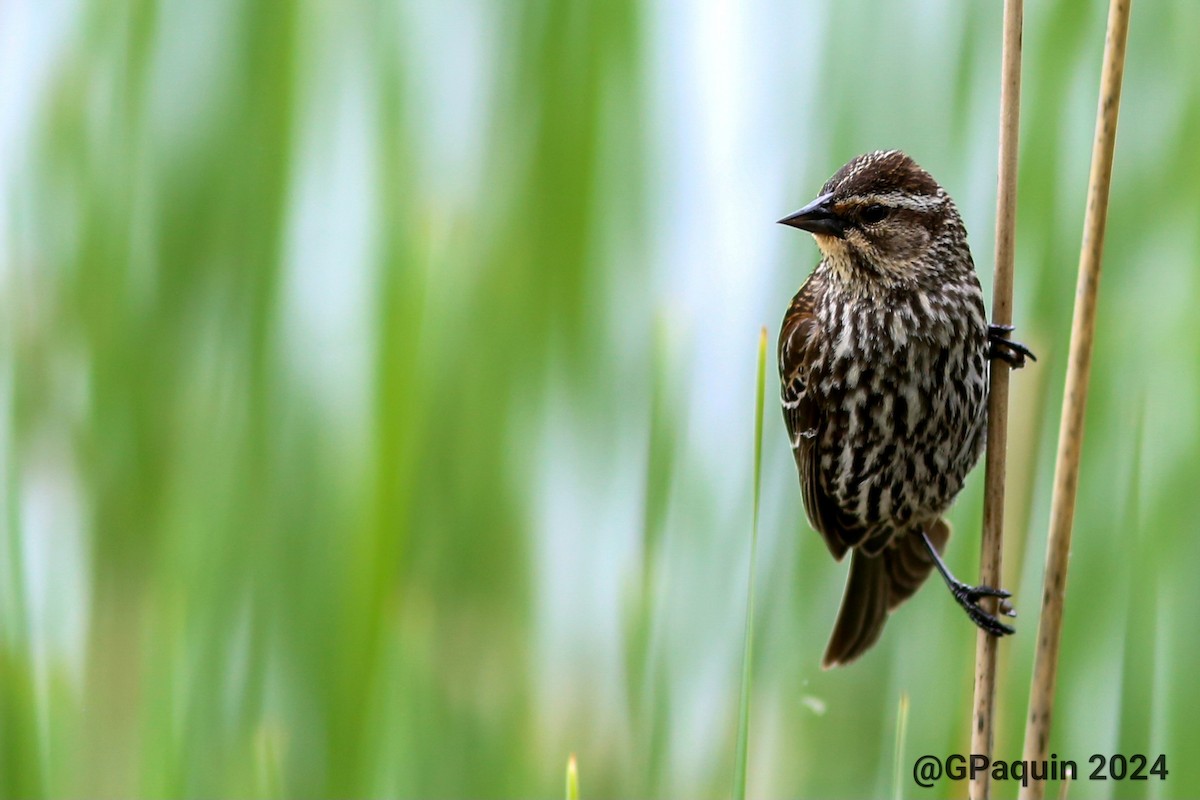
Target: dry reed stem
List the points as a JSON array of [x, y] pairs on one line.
[[991, 545], [1070, 437]]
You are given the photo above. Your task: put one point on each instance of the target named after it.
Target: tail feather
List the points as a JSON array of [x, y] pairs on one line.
[[909, 563], [864, 610], [877, 585]]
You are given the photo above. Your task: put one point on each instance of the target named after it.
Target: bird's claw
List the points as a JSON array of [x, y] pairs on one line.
[[969, 596], [1003, 348], [973, 593]]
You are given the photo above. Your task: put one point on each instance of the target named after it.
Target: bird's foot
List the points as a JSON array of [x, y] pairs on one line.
[[969, 596], [1003, 348]]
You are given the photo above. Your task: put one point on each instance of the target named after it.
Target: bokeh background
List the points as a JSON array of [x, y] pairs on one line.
[[377, 394]]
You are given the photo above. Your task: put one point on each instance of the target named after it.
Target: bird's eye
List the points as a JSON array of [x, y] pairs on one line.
[[873, 214]]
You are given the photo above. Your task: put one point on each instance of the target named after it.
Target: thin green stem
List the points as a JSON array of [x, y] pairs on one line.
[[739, 773], [901, 735], [572, 779]]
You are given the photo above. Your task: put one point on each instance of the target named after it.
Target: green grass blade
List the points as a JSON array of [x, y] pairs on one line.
[[901, 734], [1138, 669], [743, 735], [572, 779]]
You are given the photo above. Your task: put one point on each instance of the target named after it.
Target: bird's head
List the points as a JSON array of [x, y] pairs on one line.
[[881, 216]]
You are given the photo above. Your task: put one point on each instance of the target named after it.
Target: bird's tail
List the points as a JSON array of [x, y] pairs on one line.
[[875, 587]]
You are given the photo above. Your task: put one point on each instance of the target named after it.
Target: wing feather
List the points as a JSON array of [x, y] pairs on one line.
[[804, 418]]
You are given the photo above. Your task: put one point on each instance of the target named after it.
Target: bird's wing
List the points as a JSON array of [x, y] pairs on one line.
[[804, 418]]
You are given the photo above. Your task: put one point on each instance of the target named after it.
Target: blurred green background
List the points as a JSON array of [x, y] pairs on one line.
[[377, 394]]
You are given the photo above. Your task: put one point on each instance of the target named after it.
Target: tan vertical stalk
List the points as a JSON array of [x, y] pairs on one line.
[[1070, 435], [997, 433]]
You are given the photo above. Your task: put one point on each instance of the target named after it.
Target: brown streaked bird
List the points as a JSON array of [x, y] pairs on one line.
[[883, 359]]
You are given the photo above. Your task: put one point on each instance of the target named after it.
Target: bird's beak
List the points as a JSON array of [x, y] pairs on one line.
[[817, 217]]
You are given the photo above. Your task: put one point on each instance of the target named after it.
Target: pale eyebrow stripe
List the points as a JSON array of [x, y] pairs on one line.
[[913, 202]]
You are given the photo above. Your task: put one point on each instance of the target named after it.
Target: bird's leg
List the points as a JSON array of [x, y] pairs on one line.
[[968, 596], [1000, 346]]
